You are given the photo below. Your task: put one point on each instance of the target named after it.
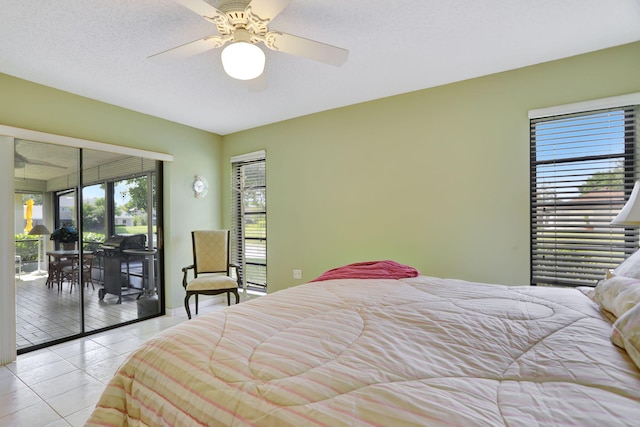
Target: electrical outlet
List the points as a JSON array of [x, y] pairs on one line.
[[297, 274]]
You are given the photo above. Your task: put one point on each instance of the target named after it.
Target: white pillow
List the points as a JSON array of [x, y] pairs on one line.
[[626, 333], [617, 294], [630, 267]]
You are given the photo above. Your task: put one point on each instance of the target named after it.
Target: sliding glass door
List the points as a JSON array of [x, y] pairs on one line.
[[98, 248]]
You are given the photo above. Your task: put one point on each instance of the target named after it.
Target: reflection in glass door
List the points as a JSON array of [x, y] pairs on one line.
[[100, 266], [119, 230], [126, 261], [47, 308]]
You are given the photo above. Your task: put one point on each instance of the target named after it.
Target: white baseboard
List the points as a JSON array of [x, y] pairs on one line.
[[206, 304], [202, 304]]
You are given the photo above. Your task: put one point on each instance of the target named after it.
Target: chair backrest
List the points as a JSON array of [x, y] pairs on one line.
[[87, 261], [210, 251]]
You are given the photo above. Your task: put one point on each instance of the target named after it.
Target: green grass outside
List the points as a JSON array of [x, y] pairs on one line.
[[136, 229]]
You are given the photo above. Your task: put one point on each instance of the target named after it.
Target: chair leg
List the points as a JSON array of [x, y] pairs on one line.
[[196, 304], [235, 292], [50, 277], [186, 305], [86, 279], [229, 298], [59, 278], [73, 280]]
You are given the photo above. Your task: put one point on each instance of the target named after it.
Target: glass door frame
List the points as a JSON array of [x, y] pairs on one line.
[[156, 263]]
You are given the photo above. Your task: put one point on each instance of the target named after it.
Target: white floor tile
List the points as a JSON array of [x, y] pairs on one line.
[[33, 360], [46, 372], [61, 423], [17, 401], [104, 370], [75, 348], [76, 399], [128, 345], [60, 385], [92, 357], [36, 415], [108, 339], [64, 383], [9, 383], [79, 418]]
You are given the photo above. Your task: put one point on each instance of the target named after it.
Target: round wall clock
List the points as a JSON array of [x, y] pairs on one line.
[[200, 187]]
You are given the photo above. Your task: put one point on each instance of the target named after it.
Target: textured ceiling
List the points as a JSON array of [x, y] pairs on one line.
[[99, 49]]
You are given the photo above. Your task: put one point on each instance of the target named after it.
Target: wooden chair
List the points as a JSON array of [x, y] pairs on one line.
[[56, 266], [72, 272], [211, 268]]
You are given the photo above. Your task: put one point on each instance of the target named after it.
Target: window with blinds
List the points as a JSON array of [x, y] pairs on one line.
[[582, 171], [249, 217]]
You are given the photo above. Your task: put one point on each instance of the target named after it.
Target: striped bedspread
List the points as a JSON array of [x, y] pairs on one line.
[[420, 351]]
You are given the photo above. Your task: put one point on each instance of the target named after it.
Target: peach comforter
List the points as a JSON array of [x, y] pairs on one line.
[[419, 351]]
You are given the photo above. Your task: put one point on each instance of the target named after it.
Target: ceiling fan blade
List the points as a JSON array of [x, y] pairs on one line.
[[20, 161], [190, 49], [200, 7], [306, 48], [43, 163], [266, 10]]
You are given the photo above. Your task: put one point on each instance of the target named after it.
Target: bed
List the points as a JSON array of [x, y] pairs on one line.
[[408, 351]]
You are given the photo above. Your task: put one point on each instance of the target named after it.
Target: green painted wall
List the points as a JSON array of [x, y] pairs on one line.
[[27, 105], [438, 179]]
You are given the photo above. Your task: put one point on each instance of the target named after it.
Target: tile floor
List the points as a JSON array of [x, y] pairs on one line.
[[46, 314], [60, 385]]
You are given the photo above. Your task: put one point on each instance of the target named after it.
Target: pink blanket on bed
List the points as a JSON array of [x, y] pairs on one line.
[[369, 270]]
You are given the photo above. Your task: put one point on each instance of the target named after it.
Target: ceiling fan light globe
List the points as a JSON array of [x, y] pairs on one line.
[[242, 60]]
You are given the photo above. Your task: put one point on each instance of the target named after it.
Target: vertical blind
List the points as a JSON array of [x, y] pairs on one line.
[[582, 172], [249, 217]]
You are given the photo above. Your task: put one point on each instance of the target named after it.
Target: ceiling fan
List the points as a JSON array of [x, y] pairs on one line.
[[242, 24], [20, 161]]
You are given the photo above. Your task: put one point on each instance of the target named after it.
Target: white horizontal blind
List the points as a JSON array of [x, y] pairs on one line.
[[582, 172], [119, 169], [249, 216]]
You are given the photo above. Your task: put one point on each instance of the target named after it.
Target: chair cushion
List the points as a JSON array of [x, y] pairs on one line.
[[208, 283]]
